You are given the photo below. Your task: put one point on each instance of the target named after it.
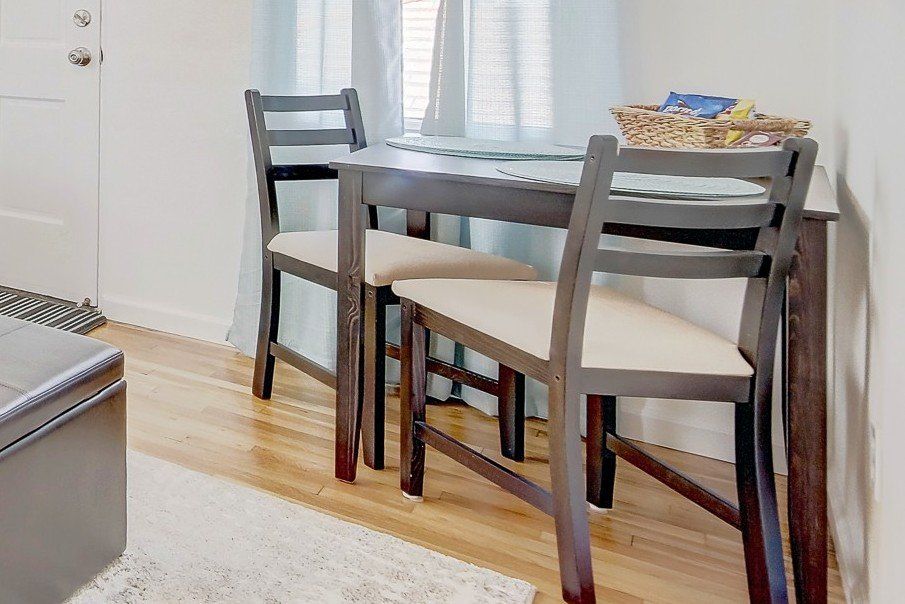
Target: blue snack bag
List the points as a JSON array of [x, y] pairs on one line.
[[696, 105]]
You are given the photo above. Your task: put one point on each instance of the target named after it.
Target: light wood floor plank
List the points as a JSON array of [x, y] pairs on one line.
[[190, 402]]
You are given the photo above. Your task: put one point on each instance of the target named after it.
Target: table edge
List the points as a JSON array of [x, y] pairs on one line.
[[513, 182]]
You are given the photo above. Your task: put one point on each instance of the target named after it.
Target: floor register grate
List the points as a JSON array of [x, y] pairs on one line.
[[44, 311]]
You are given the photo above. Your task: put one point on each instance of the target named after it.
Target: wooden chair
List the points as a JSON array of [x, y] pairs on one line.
[[580, 339], [312, 255]]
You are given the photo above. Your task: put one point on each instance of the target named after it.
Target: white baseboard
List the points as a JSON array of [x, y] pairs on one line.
[[716, 444], [180, 322]]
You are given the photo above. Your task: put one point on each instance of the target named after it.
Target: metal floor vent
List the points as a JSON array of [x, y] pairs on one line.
[[59, 315]]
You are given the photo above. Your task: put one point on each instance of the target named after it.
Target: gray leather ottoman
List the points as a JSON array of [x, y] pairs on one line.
[[62, 461]]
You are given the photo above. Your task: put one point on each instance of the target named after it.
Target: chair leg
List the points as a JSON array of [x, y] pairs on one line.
[[268, 327], [570, 510], [413, 398], [374, 404], [601, 462], [757, 503], [511, 403]]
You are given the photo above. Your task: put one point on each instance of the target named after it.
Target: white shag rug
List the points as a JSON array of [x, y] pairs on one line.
[[195, 538]]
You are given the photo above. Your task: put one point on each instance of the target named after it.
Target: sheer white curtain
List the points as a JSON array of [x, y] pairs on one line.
[[522, 70], [316, 47], [506, 69]]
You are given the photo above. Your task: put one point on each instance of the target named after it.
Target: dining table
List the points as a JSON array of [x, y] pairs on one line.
[[427, 183]]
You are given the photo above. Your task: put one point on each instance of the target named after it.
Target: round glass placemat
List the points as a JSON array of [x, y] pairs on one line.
[[651, 185], [485, 149]]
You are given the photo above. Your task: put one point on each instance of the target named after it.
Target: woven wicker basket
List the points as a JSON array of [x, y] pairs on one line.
[[643, 125]]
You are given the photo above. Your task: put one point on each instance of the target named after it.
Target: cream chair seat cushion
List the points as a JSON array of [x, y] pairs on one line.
[[390, 257], [621, 333]]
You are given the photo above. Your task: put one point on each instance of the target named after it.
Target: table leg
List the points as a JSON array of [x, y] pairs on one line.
[[807, 412], [349, 325]]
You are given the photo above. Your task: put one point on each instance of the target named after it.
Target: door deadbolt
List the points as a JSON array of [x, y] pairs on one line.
[[81, 18], [80, 56]]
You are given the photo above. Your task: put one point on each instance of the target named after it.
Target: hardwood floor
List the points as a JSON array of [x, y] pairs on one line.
[[190, 402]]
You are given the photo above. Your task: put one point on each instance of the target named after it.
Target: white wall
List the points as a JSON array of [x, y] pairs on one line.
[[173, 166], [841, 65], [779, 60], [867, 499]]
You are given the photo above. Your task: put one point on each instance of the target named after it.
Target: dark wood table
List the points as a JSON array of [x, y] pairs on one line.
[[381, 175]]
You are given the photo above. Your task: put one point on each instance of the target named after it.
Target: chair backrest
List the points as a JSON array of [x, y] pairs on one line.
[[764, 260], [262, 139]]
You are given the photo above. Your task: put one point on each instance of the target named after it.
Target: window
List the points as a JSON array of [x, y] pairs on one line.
[[419, 19]]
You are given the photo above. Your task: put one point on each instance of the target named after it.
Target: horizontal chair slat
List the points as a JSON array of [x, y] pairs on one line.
[[326, 102], [711, 501], [304, 270], [496, 473], [663, 384], [723, 239], [293, 138], [303, 172], [452, 372], [722, 264], [317, 371], [731, 213], [748, 163]]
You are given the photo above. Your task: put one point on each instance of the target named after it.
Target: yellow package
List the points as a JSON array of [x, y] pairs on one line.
[[742, 110]]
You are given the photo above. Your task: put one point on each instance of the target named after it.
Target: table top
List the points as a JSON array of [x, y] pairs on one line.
[[820, 204]]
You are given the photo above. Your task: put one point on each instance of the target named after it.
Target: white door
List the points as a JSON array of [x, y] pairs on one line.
[[49, 138]]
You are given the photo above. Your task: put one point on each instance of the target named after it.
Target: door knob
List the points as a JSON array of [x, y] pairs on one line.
[[80, 56]]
